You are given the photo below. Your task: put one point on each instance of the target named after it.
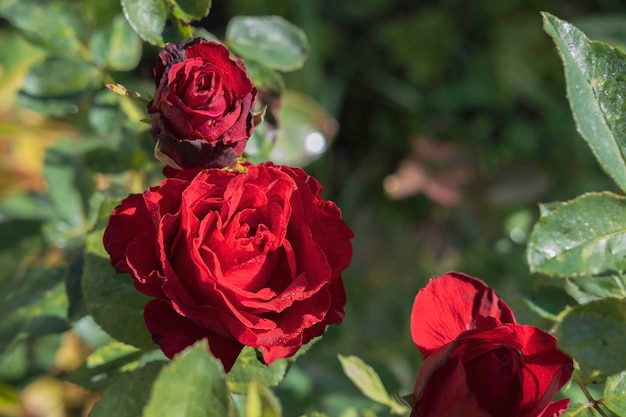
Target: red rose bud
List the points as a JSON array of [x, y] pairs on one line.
[[202, 110], [477, 360], [250, 259]]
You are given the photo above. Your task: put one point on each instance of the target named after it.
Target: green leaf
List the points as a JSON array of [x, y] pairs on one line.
[[88, 330], [117, 47], [368, 382], [581, 410], [70, 187], [584, 236], [42, 324], [60, 177], [13, 235], [306, 131], [57, 86], [264, 78], [110, 161], [177, 31], [56, 77], [100, 13], [26, 206], [585, 289], [105, 115], [270, 40], [148, 18], [10, 404], [548, 301], [128, 396], [111, 298], [32, 301], [32, 295], [205, 34], [596, 88], [189, 10], [260, 402], [17, 55], [106, 364], [56, 25], [593, 334], [614, 397], [192, 385], [14, 363], [248, 368]]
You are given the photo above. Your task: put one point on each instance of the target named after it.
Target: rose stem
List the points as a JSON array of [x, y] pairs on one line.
[[583, 388]]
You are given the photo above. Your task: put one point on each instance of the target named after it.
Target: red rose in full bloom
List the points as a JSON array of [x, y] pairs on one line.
[[249, 259], [478, 361], [202, 110]]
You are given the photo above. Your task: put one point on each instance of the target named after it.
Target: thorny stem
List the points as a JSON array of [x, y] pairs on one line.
[[583, 388]]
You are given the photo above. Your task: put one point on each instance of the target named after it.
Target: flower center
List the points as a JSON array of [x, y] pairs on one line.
[[494, 378]]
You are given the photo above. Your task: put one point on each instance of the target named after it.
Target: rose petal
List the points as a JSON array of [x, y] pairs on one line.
[[494, 378], [144, 264], [443, 391], [202, 111], [450, 305], [555, 409], [219, 57], [333, 235], [173, 333], [129, 219], [546, 368], [228, 258]]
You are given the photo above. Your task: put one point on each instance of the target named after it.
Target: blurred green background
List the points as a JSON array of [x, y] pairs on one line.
[[453, 126]]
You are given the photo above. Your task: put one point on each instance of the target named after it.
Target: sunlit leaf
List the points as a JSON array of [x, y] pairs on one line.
[[192, 385], [148, 18], [596, 88], [614, 397], [248, 368], [190, 10], [270, 40], [105, 364], [368, 382], [581, 410], [585, 289], [584, 236]]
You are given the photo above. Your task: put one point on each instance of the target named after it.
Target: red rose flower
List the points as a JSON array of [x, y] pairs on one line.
[[202, 111], [478, 361], [249, 259]]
